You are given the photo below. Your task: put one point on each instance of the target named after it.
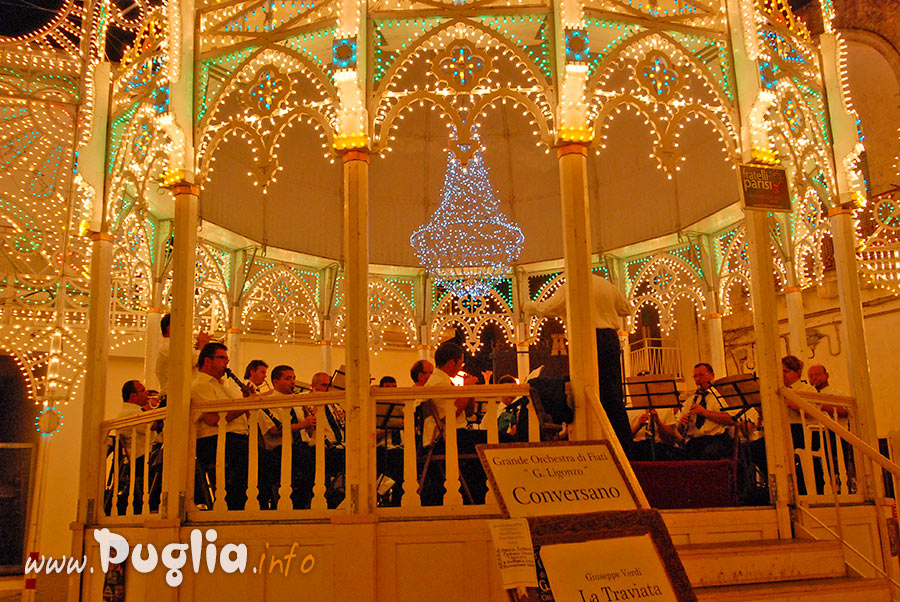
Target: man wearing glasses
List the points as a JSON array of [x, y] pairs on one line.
[[207, 386]]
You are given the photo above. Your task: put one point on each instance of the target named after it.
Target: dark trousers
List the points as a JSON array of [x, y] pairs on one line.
[[236, 463], [710, 447], [125, 487], [389, 462], [470, 469], [609, 365]]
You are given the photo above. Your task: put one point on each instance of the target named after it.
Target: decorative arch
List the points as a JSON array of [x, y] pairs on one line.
[[285, 298], [663, 281], [472, 315]]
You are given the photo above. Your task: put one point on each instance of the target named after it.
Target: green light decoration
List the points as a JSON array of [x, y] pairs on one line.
[[468, 244]]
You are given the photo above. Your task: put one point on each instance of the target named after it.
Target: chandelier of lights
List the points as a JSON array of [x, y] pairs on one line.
[[468, 244]]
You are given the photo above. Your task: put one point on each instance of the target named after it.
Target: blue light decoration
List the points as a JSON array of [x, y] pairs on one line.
[[343, 53], [48, 421], [578, 46], [468, 244]]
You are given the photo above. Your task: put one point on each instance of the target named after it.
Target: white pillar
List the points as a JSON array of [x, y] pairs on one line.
[[577, 249], [152, 339], [424, 348], [96, 360], [716, 344], [523, 360], [793, 298], [327, 337], [853, 331], [768, 368], [175, 435], [360, 451], [233, 342]]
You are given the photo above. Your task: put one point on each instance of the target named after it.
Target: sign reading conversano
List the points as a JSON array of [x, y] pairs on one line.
[[543, 479]]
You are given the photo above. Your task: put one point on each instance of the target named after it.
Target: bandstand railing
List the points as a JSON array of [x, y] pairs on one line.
[[131, 496], [650, 359], [851, 469]]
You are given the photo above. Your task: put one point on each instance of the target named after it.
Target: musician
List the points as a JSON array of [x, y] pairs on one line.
[[420, 372], [449, 359], [512, 423], [162, 357], [703, 426], [302, 460], [134, 401], [255, 376], [334, 426], [210, 385]]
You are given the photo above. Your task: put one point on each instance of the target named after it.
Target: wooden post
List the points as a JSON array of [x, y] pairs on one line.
[[175, 435], [577, 249], [793, 298], [360, 452], [716, 344], [768, 365]]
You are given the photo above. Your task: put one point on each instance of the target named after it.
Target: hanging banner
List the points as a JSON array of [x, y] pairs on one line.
[[764, 188]]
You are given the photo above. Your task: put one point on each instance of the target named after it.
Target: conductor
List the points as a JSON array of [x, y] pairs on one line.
[[609, 307]]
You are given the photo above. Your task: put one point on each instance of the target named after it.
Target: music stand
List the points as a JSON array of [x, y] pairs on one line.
[[652, 392], [738, 392], [339, 378]]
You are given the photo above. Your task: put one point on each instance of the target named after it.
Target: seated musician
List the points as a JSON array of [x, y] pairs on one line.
[[389, 458], [302, 460], [512, 423], [209, 385], [449, 359], [333, 427], [661, 422], [703, 426]]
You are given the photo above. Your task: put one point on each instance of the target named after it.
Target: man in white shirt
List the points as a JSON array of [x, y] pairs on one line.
[[302, 460], [255, 376], [132, 448], [209, 384], [610, 306], [449, 359], [703, 426], [162, 356]]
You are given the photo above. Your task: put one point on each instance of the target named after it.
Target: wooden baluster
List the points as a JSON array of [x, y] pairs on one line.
[[287, 456], [132, 468], [219, 495], [114, 509], [319, 502], [410, 497], [491, 416], [534, 423], [253, 462], [451, 455], [148, 443]]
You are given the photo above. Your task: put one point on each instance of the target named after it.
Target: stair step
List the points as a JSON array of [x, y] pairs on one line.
[[763, 561], [841, 589]]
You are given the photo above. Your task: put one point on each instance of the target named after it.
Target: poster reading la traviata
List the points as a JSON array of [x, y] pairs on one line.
[[622, 568]]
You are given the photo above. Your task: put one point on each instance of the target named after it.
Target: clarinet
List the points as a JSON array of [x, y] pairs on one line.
[[245, 390]]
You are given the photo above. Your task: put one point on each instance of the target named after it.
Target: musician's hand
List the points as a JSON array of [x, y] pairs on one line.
[[644, 418], [684, 418], [698, 409], [310, 421], [468, 379]]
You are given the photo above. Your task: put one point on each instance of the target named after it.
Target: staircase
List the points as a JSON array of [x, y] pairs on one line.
[[768, 570]]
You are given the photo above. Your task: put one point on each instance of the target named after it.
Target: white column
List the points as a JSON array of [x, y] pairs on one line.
[[523, 361], [360, 451], [853, 331], [793, 298], [625, 344], [233, 342], [152, 338], [768, 369], [96, 360], [580, 330], [175, 435], [327, 335], [716, 344], [423, 347]]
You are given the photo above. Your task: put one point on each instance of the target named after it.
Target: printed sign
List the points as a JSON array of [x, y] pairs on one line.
[[764, 188], [546, 479], [515, 552], [624, 568]]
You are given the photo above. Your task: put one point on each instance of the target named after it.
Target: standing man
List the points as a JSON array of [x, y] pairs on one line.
[[420, 372], [209, 385], [449, 359], [610, 306], [818, 378], [162, 357], [134, 401]]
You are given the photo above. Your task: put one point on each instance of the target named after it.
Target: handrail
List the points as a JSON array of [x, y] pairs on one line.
[[867, 450], [848, 546], [606, 427], [135, 420]]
